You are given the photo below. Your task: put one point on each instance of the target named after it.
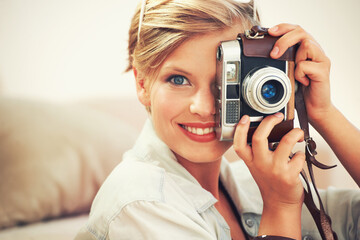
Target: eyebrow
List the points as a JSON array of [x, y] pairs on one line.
[[177, 69]]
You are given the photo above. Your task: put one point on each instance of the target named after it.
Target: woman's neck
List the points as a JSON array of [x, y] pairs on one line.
[[207, 174]]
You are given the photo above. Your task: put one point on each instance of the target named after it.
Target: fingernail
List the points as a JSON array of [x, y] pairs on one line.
[[244, 119], [275, 51], [274, 29], [278, 114]]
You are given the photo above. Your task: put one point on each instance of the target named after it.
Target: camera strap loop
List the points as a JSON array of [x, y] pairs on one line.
[[256, 32], [321, 219]]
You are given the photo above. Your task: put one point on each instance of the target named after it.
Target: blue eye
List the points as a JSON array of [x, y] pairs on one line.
[[178, 80]]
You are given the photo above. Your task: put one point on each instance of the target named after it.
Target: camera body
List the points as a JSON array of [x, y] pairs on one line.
[[251, 83]]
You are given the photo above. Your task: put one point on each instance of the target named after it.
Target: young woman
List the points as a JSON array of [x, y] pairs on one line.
[[174, 183]]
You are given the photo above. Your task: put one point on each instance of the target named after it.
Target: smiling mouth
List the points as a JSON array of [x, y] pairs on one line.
[[198, 131]]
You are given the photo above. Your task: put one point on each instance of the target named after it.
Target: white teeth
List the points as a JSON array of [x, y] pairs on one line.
[[206, 130], [193, 130], [198, 131]]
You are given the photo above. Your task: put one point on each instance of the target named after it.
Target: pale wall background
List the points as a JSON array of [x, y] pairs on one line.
[[66, 50]]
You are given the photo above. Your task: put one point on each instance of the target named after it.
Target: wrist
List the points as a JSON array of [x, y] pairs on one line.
[[323, 118], [281, 220], [283, 211], [279, 206]]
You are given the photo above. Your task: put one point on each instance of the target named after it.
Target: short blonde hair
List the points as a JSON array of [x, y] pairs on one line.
[[168, 23]]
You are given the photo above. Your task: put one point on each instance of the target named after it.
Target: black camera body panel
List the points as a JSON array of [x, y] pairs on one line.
[[253, 63]]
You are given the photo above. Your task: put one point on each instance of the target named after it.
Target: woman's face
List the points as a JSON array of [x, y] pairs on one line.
[[182, 98]]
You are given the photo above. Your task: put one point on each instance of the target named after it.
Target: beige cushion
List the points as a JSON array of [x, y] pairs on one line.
[[53, 158]]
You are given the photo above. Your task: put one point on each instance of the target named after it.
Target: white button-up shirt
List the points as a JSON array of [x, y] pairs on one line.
[[149, 195]]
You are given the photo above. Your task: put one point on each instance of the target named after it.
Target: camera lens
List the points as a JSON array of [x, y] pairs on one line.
[[272, 91], [266, 90]]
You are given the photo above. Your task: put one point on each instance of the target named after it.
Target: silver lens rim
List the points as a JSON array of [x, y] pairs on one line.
[[252, 85]]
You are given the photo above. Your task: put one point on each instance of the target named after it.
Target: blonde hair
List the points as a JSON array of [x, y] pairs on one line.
[[168, 23]]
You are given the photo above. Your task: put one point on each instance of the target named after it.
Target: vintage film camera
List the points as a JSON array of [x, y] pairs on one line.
[[251, 83]]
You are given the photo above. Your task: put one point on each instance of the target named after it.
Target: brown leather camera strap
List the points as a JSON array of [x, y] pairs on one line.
[[321, 219]]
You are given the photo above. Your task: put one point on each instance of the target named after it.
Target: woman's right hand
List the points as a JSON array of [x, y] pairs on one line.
[[276, 175]]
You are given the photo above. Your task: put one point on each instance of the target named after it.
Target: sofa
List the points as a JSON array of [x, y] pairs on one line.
[[53, 159]]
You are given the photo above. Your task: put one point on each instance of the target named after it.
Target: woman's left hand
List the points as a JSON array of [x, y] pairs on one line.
[[312, 67]]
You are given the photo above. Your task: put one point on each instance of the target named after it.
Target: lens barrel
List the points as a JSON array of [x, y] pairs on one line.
[[266, 90]]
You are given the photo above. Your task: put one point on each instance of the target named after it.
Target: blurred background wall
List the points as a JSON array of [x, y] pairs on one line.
[[66, 50]]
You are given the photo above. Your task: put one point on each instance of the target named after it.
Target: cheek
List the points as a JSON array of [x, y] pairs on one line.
[[166, 104]]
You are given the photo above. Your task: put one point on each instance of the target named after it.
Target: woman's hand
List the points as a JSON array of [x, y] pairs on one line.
[[312, 70], [312, 67], [276, 175]]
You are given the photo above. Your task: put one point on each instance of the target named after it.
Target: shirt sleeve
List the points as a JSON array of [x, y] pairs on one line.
[[343, 207], [155, 220]]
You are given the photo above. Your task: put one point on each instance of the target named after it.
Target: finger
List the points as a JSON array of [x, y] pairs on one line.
[[297, 162], [310, 50], [314, 71], [311, 63], [287, 143], [281, 29], [242, 149], [287, 40], [260, 144]]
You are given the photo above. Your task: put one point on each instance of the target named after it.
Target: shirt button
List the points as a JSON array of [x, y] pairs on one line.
[[307, 237], [249, 222]]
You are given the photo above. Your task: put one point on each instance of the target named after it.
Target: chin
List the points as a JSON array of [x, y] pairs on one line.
[[205, 155]]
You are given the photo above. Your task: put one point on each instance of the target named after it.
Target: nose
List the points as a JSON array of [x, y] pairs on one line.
[[203, 103]]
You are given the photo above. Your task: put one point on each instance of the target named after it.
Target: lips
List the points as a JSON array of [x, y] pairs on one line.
[[199, 132]]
